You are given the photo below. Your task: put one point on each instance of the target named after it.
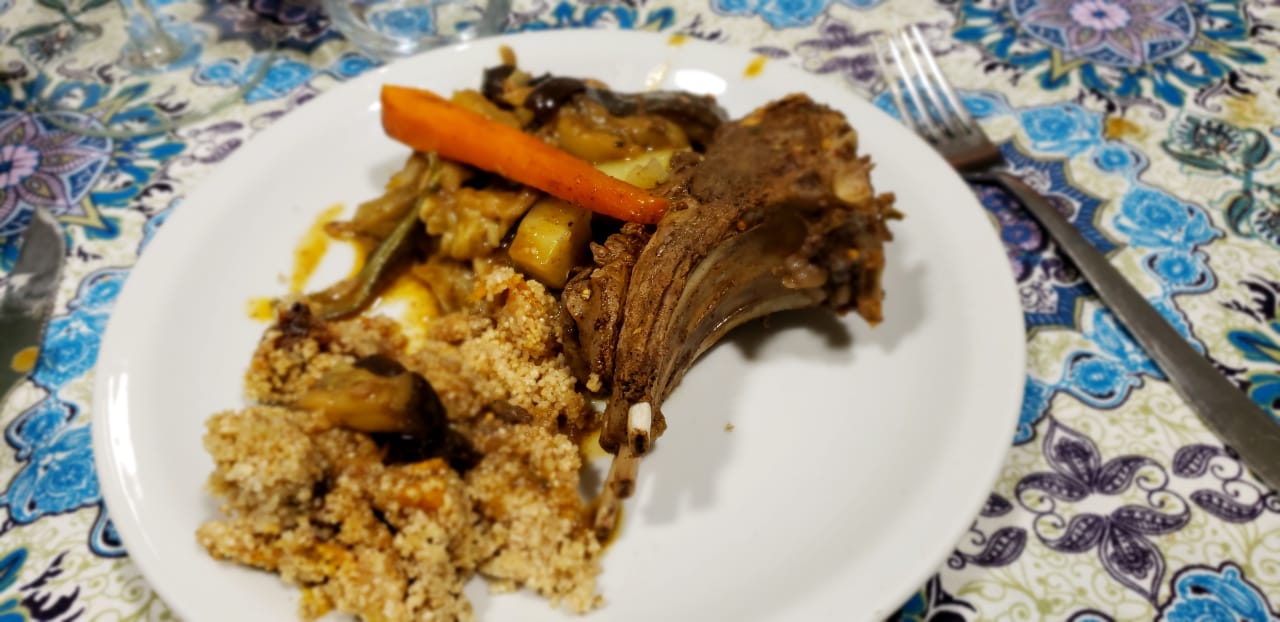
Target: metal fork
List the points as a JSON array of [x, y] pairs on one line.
[[941, 119]]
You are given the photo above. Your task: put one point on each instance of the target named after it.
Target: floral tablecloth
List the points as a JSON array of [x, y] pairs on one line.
[[1152, 123]]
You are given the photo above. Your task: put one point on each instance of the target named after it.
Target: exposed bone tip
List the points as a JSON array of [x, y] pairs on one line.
[[606, 518], [624, 488], [640, 426], [620, 484]]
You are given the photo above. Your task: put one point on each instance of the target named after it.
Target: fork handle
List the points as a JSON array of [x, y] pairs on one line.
[[1226, 410]]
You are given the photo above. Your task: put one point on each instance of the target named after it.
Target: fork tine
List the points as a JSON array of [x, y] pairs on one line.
[[926, 87], [927, 126], [959, 113], [891, 82]]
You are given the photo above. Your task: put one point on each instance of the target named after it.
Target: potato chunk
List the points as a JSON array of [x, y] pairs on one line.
[[645, 170], [550, 240]]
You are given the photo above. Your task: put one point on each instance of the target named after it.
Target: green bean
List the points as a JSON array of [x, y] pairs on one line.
[[352, 296]]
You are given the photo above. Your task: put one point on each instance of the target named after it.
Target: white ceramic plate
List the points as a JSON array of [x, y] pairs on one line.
[[857, 458]]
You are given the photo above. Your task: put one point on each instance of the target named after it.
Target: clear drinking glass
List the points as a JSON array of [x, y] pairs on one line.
[[150, 51], [390, 28], [150, 47]]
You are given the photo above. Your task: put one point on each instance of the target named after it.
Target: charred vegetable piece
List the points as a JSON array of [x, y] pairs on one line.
[[550, 94], [589, 131], [351, 296], [376, 395], [426, 122], [551, 240], [491, 84], [779, 214], [470, 223], [375, 219], [449, 444], [398, 408], [697, 115], [477, 103]]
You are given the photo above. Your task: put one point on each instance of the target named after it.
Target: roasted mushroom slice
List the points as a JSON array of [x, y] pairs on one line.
[[779, 214], [398, 408]]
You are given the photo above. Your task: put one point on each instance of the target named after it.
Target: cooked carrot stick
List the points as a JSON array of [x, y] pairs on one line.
[[426, 122]]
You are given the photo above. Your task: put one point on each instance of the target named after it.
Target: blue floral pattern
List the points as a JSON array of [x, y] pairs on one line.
[[1159, 51], [36, 600], [59, 475], [46, 165], [1213, 146], [48, 438], [284, 76], [1102, 31], [785, 13], [1064, 130], [1121, 536], [1171, 232], [1202, 594], [100, 174], [290, 24], [569, 15], [11, 609], [934, 603], [152, 226], [190, 38], [404, 23], [1260, 344]]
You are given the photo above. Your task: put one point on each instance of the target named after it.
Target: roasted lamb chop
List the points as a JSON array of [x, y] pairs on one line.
[[779, 213]]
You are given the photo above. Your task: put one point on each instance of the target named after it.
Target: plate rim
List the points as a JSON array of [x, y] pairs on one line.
[[111, 471]]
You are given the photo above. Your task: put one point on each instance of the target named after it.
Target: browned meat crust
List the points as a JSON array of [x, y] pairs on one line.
[[779, 214], [595, 297]]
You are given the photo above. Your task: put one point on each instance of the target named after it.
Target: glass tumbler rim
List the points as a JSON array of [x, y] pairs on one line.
[[345, 15]]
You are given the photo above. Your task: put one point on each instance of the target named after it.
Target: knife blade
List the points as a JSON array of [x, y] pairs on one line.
[[27, 299], [1224, 409]]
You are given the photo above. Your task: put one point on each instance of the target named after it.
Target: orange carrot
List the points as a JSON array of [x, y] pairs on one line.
[[426, 122]]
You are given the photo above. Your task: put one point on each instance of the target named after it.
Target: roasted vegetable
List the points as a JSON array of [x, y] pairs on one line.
[[646, 170], [394, 211], [450, 282], [350, 296], [470, 223], [587, 130], [697, 116], [475, 102], [551, 240], [426, 122], [398, 408], [376, 218], [377, 400]]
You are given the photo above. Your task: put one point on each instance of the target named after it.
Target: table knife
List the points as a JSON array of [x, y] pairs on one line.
[[26, 301], [1224, 409]]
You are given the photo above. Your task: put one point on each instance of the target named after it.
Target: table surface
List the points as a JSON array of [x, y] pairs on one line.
[[1150, 122]]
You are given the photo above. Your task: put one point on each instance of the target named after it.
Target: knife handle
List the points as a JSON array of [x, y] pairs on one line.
[[1223, 408]]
